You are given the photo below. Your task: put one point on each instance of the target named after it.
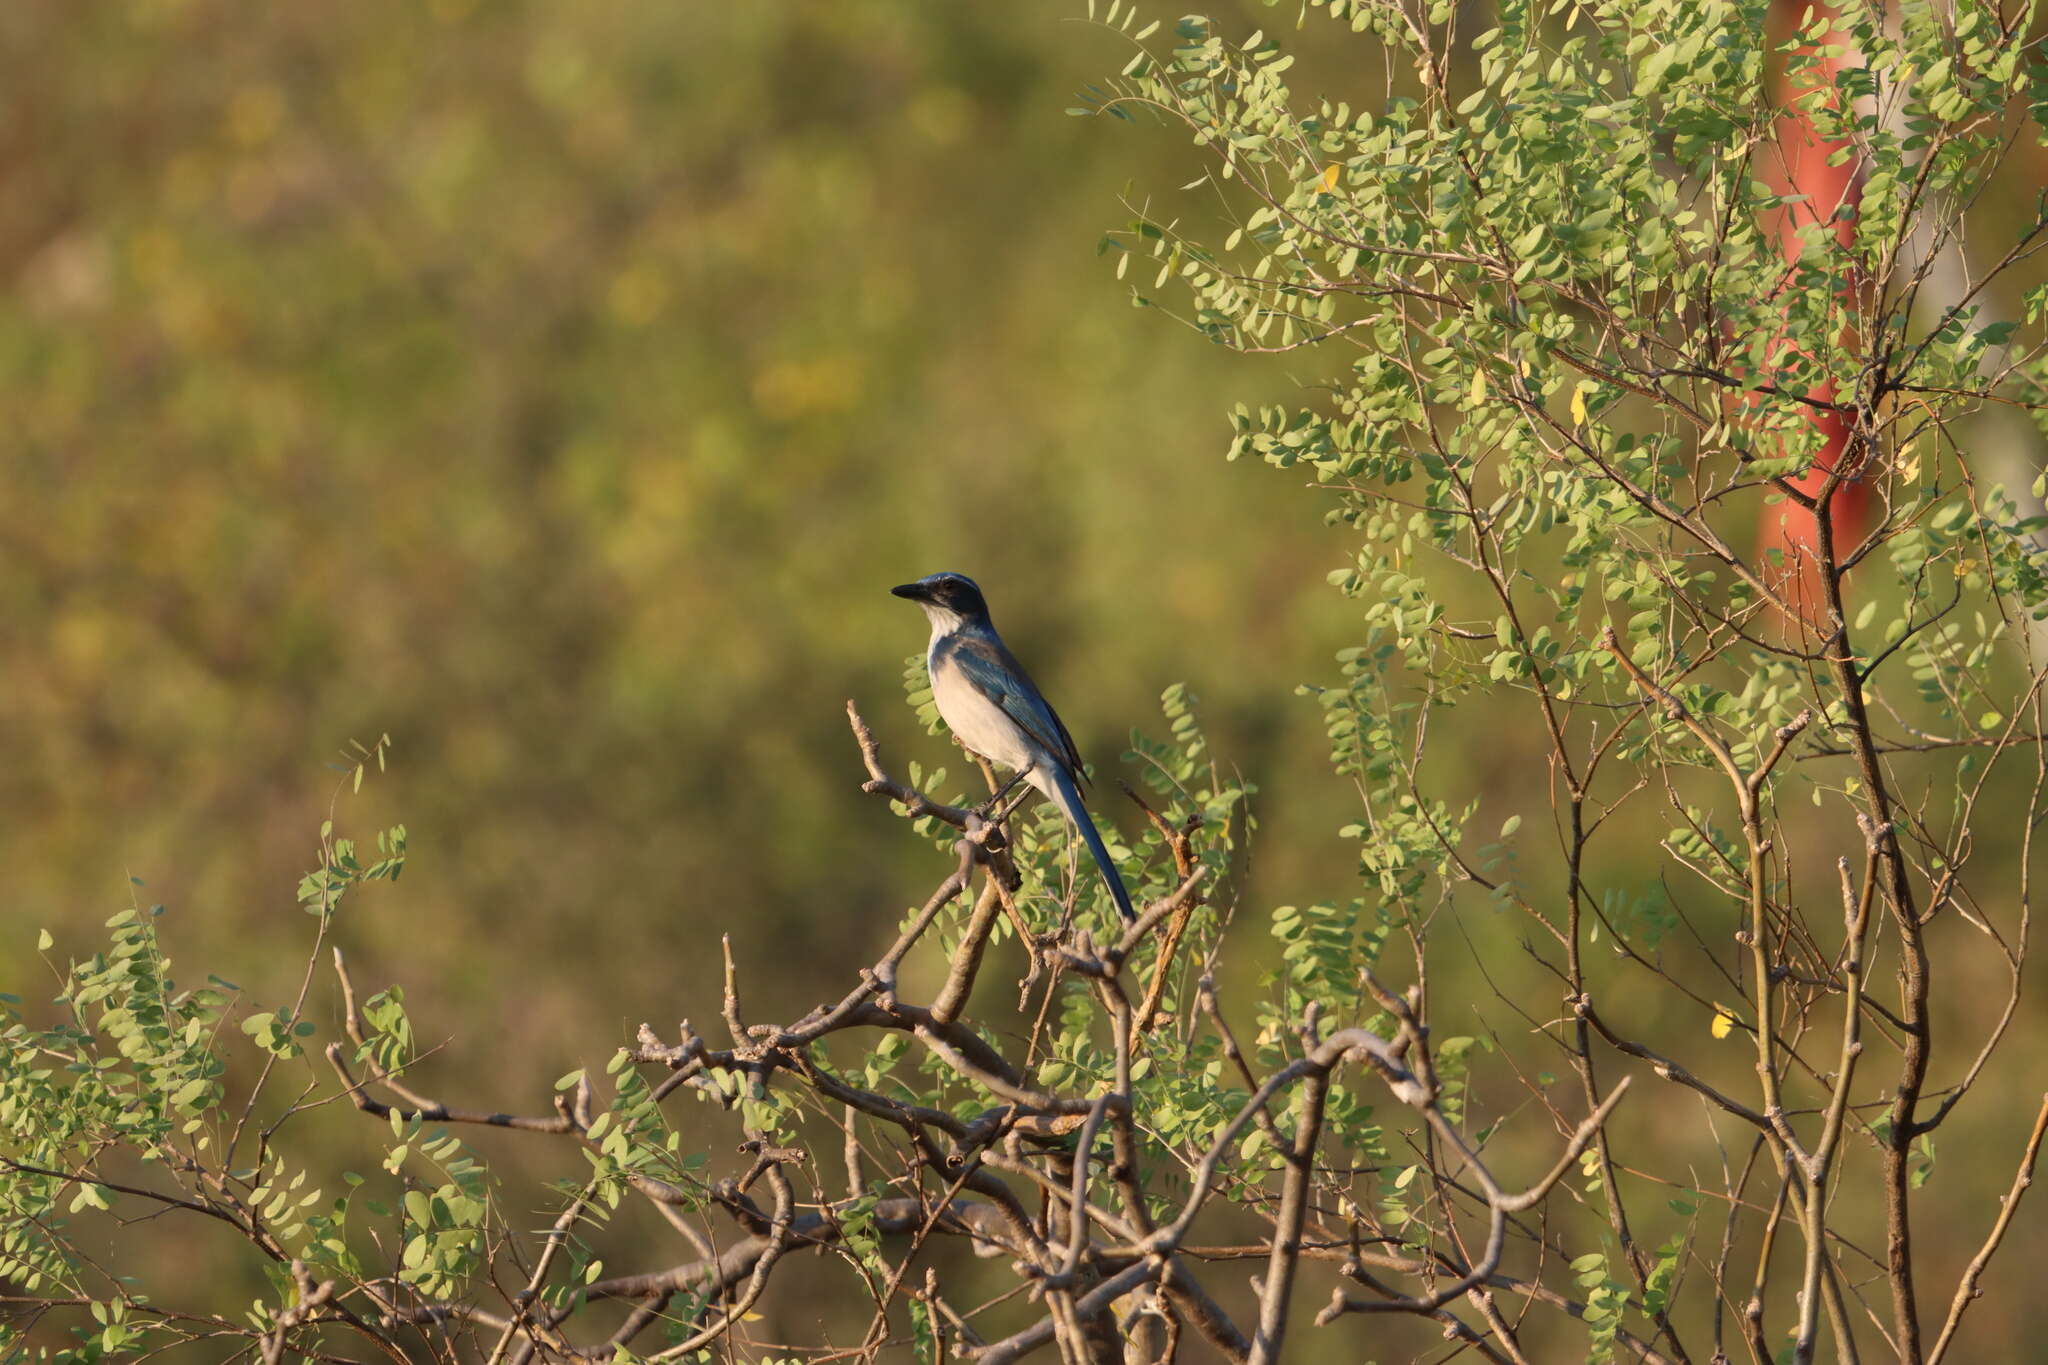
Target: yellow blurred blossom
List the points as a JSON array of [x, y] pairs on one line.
[[788, 390], [255, 114], [638, 294]]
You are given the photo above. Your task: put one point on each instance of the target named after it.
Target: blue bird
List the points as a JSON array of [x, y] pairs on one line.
[[989, 701]]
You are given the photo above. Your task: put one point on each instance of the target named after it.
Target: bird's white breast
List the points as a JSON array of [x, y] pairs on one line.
[[977, 721]]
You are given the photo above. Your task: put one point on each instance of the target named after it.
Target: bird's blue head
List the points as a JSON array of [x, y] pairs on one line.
[[949, 599]]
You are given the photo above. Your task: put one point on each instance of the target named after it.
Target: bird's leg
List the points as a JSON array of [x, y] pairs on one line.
[[995, 797], [1019, 799], [995, 839]]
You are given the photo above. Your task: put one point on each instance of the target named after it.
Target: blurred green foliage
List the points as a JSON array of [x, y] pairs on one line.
[[558, 389]]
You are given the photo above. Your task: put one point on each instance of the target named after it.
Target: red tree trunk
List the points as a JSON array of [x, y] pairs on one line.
[[1798, 163]]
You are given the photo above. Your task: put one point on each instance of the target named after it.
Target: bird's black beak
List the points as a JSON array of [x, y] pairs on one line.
[[914, 591]]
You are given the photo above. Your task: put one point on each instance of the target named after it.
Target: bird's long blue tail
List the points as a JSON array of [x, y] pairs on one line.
[[1067, 797]]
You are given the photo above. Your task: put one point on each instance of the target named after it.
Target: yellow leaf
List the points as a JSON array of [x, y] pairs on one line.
[[1478, 387], [1579, 405], [1329, 178], [1724, 1022]]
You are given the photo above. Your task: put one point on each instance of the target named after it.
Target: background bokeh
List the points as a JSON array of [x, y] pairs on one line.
[[558, 389]]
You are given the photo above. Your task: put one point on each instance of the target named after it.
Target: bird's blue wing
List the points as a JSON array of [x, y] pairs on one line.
[[990, 666]]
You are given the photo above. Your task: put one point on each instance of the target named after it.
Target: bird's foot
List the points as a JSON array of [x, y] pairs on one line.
[[995, 798]]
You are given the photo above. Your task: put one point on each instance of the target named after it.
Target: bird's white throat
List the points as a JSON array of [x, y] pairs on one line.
[[944, 620]]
